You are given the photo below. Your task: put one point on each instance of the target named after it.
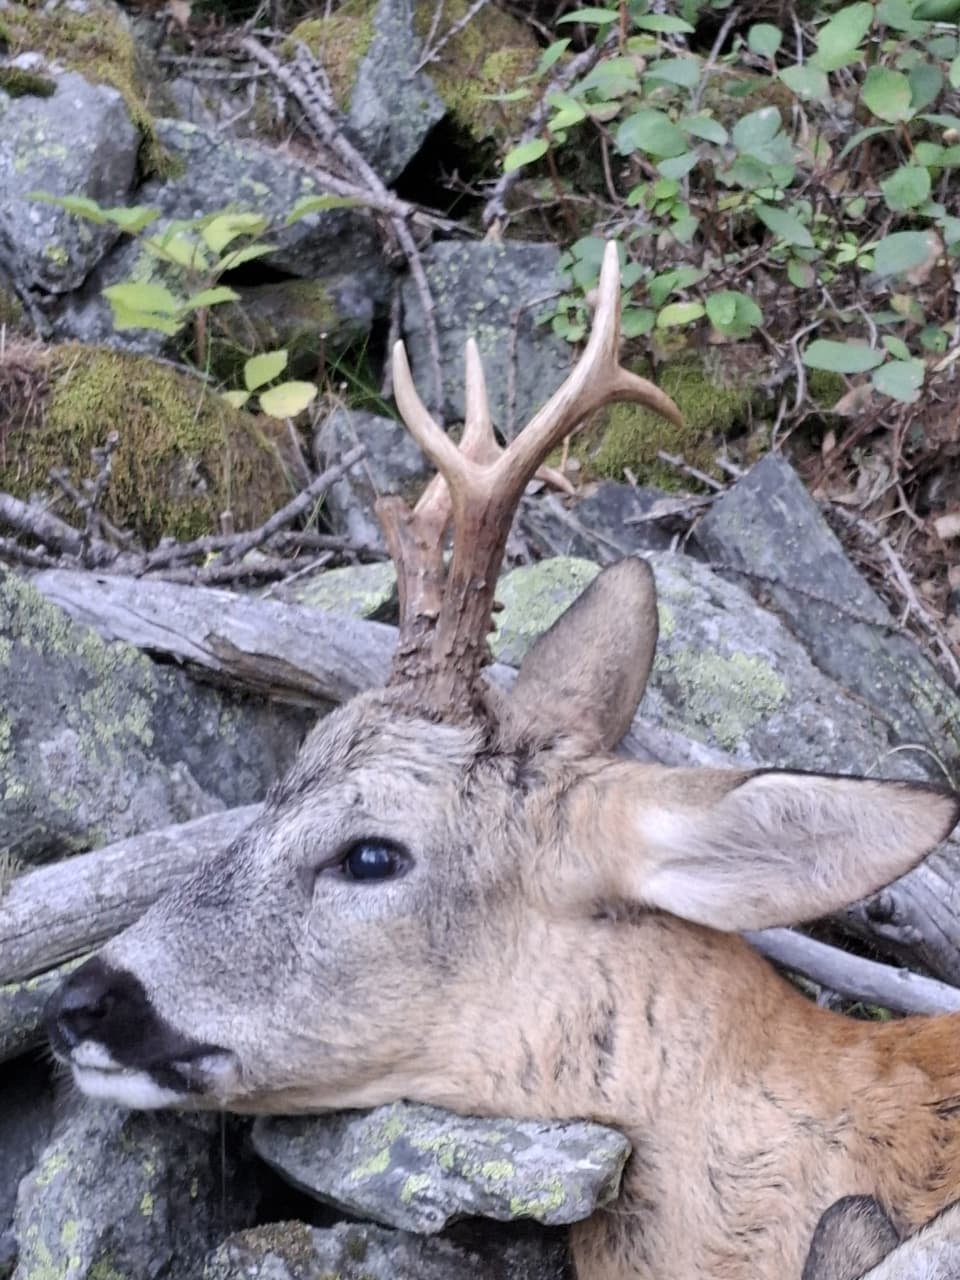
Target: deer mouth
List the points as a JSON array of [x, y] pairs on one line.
[[205, 1077]]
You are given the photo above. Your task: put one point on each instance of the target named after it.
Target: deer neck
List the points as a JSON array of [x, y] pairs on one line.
[[744, 1102]]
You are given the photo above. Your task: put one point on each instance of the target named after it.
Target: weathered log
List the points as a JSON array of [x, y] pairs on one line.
[[52, 914], [302, 655]]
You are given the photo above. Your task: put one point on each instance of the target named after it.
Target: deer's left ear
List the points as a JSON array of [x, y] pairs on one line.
[[587, 673], [737, 850]]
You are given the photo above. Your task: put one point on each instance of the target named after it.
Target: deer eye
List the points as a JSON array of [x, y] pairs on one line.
[[373, 860]]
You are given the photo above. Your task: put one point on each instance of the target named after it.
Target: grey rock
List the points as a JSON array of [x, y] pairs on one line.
[[97, 743], [492, 292], [79, 142], [419, 1168], [394, 464], [356, 1251], [604, 523], [359, 590], [26, 1117], [138, 1194], [392, 106], [337, 247], [767, 525]]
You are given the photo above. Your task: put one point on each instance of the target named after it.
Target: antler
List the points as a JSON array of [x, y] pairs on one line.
[[444, 618]]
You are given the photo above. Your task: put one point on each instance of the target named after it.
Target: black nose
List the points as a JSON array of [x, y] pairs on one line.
[[81, 1006]]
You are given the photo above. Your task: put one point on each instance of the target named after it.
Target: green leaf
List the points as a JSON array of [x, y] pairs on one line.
[[611, 78], [906, 188], [937, 10], [236, 257], [953, 75], [901, 379], [703, 126], [591, 17], [211, 297], [526, 153], [839, 39], [862, 135], [683, 72], [679, 313], [224, 228], [650, 131], [660, 287], [677, 166], [551, 55], [287, 400], [807, 81], [264, 368], [636, 321], [734, 314], [896, 346], [128, 318], [888, 95], [82, 206], [800, 274], [902, 251], [142, 295], [567, 111], [237, 398], [180, 248], [784, 225], [757, 128], [841, 357], [664, 23], [764, 39], [926, 85], [320, 204]]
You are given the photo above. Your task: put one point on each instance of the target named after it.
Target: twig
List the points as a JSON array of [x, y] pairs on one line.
[[103, 457], [854, 977], [681, 464], [707, 69], [430, 55]]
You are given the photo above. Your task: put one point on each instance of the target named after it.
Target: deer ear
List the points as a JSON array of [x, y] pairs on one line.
[[587, 673], [747, 851]]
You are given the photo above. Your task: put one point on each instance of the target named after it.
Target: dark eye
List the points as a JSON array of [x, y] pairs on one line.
[[373, 860]]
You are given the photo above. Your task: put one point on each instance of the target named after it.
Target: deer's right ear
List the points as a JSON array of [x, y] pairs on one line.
[[587, 673]]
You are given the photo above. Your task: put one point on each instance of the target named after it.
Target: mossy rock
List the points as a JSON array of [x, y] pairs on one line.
[[632, 436], [487, 57], [184, 455], [18, 83], [92, 38]]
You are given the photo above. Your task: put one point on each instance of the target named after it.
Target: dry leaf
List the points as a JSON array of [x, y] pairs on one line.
[[180, 12], [948, 526]]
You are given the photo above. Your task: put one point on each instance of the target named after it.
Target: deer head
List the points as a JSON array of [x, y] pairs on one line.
[[465, 898]]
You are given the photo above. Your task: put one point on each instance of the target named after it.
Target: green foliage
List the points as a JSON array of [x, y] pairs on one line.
[[744, 204], [194, 255]]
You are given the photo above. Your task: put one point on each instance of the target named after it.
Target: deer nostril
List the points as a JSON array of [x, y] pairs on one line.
[[83, 1005]]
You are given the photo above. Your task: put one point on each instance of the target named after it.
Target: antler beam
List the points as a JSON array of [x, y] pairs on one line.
[[444, 619]]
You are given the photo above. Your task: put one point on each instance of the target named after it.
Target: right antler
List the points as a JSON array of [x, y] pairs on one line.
[[444, 619]]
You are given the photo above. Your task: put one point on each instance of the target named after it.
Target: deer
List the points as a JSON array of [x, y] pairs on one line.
[[460, 895], [855, 1240]]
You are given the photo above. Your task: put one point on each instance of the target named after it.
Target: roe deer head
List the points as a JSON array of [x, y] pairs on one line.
[[465, 898]]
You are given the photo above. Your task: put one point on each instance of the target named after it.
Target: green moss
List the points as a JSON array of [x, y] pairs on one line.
[[95, 42], [825, 388], [20, 84], [633, 436], [339, 41], [184, 456]]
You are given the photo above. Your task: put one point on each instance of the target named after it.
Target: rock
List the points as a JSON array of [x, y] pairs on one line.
[[26, 1116], [304, 317], [599, 524], [138, 1194], [768, 526], [336, 248], [78, 142], [97, 743], [359, 590], [393, 107], [419, 1168], [356, 1251], [529, 596], [493, 292], [394, 464]]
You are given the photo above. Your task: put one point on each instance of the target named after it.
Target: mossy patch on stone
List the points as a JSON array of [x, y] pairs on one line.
[[633, 436], [339, 41], [18, 83], [93, 39], [184, 455]]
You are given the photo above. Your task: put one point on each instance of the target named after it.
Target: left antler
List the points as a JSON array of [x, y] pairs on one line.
[[444, 619]]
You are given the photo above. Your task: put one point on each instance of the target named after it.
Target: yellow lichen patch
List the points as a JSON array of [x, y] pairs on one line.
[[95, 42], [633, 437], [184, 454], [339, 41]]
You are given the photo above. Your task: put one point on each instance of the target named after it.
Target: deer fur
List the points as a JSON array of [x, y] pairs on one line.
[[558, 941], [855, 1240]]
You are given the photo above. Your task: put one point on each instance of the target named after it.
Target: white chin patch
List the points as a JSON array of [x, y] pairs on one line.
[[134, 1089]]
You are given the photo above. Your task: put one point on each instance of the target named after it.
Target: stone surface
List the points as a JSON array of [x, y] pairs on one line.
[[359, 590], [419, 1168], [26, 1116], [96, 742], [356, 1251], [79, 142], [393, 107], [604, 523], [338, 247], [131, 1194], [492, 292], [769, 528], [394, 464]]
